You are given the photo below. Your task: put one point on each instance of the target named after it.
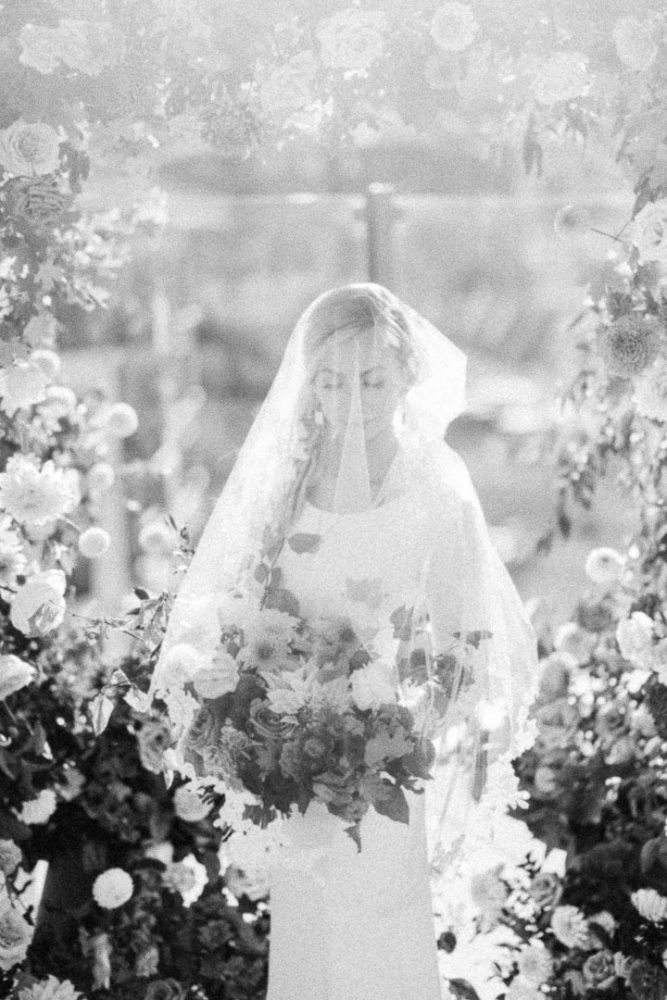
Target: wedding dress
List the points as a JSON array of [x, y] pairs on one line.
[[357, 925]]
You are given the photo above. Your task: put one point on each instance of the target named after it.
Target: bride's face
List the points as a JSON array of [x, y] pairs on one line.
[[382, 383]]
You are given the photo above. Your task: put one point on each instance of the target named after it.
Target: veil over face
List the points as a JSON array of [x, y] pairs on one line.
[[362, 399]]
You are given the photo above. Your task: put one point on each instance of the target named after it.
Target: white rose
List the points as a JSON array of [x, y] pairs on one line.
[[36, 812], [14, 674], [94, 542], [28, 148], [634, 43], [15, 936], [22, 385], [605, 566], [112, 888], [189, 806], [634, 636], [187, 876], [352, 39], [39, 605], [217, 678], [570, 926], [648, 231], [372, 686], [650, 905], [453, 26]]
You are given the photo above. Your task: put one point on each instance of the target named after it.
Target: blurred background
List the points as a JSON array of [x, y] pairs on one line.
[[200, 317]]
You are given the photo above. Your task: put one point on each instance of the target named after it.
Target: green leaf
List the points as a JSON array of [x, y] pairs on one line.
[[304, 542], [101, 708], [353, 832], [394, 804]]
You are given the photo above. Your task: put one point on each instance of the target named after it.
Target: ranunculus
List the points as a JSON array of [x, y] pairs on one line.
[[546, 889], [650, 905], [37, 495], [562, 77], [650, 393], [453, 26], [49, 989], [37, 811], [113, 888], [352, 39], [599, 970], [189, 805], [39, 605], [10, 857], [94, 542], [634, 43], [630, 344], [14, 674], [535, 963], [218, 678], [570, 926], [634, 637], [648, 231], [289, 87], [372, 686], [29, 148], [22, 385], [15, 936], [605, 566], [153, 739], [188, 877]]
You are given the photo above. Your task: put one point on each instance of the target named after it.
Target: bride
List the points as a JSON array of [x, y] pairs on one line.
[[346, 502]]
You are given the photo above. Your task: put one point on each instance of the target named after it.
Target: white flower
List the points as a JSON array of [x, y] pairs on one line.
[[112, 888], [29, 148], [189, 806], [39, 605], [267, 635], [650, 905], [634, 43], [94, 542], [36, 812], [289, 87], [372, 686], [34, 495], [648, 231], [120, 420], [49, 989], [10, 857], [217, 678], [48, 361], [352, 39], [453, 26], [14, 674], [521, 989], [100, 478], [22, 385], [535, 963], [15, 936], [605, 566], [562, 77], [180, 664], [240, 883], [288, 692], [570, 926], [650, 394], [188, 877], [634, 637]]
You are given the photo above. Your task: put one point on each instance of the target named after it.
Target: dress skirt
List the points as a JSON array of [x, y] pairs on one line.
[[355, 925]]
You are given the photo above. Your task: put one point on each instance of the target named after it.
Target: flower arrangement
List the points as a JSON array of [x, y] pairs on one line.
[[293, 711]]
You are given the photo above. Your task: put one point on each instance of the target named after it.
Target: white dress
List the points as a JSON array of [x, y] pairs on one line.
[[360, 925]]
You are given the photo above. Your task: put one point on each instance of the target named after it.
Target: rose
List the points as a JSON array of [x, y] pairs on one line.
[[352, 39], [28, 148], [15, 935], [648, 231], [153, 738], [14, 674], [453, 26], [599, 970], [634, 43], [218, 678], [373, 686]]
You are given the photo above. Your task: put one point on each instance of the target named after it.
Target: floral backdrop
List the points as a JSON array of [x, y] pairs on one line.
[[95, 89]]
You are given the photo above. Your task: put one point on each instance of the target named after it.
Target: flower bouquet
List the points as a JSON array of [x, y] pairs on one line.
[[293, 711]]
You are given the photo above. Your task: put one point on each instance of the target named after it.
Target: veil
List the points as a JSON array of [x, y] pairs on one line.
[[467, 585]]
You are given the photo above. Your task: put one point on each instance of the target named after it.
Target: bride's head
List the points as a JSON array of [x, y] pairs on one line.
[[357, 338]]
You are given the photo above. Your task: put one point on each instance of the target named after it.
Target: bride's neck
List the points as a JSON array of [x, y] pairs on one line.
[[380, 453]]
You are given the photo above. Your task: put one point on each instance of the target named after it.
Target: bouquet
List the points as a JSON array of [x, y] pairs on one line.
[[294, 711]]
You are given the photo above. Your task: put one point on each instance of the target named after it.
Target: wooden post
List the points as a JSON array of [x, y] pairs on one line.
[[380, 214]]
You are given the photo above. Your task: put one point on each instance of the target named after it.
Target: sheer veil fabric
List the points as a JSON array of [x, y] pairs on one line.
[[325, 420]]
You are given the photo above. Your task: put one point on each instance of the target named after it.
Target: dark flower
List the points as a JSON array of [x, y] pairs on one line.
[[646, 981], [546, 889], [164, 989]]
